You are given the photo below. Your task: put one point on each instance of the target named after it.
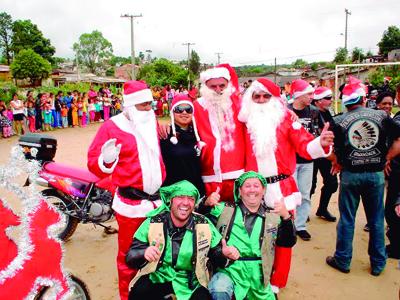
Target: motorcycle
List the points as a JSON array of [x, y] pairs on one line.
[[79, 194]]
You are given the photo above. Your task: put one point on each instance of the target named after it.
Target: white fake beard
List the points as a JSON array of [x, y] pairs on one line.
[[221, 106], [263, 120], [145, 124]]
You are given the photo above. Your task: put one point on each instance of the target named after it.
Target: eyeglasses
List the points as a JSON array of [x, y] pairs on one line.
[[181, 108]]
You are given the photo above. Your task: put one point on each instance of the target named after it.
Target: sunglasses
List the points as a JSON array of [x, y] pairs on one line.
[[181, 108], [327, 98]]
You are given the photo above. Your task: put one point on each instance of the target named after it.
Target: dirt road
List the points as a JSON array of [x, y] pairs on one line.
[[91, 255]]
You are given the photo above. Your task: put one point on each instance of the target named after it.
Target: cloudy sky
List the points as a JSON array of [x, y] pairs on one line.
[[246, 32]]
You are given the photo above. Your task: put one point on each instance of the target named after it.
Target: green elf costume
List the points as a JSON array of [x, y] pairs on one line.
[[186, 252], [254, 235]]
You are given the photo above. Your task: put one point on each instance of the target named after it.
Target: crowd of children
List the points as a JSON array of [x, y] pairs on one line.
[[46, 112]]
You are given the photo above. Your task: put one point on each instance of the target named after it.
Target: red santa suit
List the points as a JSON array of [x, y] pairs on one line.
[[278, 157], [222, 159], [140, 166]]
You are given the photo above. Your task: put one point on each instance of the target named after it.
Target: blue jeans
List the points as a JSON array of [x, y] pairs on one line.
[[370, 187], [303, 177], [221, 287]]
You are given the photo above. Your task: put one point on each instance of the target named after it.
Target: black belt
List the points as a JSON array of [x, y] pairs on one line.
[[135, 194], [273, 179], [249, 258]]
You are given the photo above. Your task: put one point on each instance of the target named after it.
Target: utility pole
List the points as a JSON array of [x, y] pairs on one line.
[[188, 44], [275, 71], [345, 30], [132, 17], [218, 57]]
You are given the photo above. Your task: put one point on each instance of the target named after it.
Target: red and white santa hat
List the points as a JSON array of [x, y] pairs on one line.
[[353, 91], [322, 92], [178, 100], [299, 88], [136, 92]]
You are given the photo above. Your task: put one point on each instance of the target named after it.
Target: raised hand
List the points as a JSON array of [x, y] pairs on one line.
[[229, 252], [153, 253], [280, 209], [213, 198], [110, 151], [326, 137]]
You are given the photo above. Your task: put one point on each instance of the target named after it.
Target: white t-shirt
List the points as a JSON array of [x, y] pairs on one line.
[[17, 103]]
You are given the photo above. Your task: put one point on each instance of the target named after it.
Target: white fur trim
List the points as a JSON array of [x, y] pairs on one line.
[[222, 176], [315, 149], [103, 168], [359, 92], [274, 289], [134, 211], [296, 125], [292, 201], [138, 97], [220, 72], [309, 89], [327, 93], [149, 158]]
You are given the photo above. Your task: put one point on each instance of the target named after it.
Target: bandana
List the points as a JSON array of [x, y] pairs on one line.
[[181, 188], [240, 180]]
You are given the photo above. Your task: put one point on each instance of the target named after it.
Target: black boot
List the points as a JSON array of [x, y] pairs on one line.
[[326, 215]]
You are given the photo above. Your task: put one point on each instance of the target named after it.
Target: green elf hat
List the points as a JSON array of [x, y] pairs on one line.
[[181, 188], [242, 178]]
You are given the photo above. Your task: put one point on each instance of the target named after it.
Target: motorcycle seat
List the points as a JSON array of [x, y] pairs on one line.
[[71, 172]]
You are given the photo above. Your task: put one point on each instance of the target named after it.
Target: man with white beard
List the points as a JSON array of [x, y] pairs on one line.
[[127, 148], [272, 141], [216, 111]]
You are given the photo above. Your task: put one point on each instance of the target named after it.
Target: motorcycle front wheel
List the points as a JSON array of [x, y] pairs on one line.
[[79, 291], [63, 205]]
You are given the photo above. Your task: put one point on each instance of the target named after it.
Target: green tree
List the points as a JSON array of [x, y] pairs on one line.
[[314, 66], [27, 35], [299, 63], [390, 40], [27, 64], [357, 55], [194, 63], [93, 51], [6, 35], [341, 55], [141, 56], [369, 53], [118, 61], [56, 61], [162, 72]]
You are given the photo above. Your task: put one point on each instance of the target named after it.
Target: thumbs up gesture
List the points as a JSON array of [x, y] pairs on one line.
[[153, 253], [213, 198], [280, 209], [229, 252], [326, 137]]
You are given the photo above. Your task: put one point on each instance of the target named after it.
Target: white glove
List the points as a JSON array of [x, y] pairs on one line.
[[110, 151]]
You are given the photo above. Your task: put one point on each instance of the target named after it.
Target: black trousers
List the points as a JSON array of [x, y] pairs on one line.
[[330, 182], [392, 220], [144, 288]]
